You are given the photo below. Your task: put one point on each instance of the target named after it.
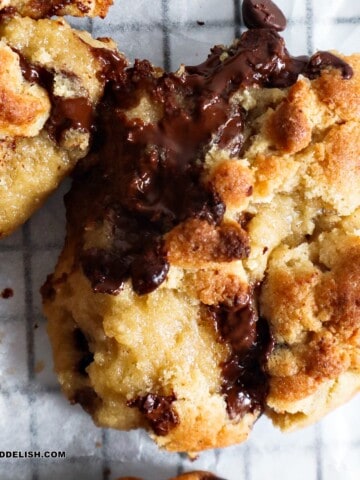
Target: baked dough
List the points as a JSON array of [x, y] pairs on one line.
[[47, 8], [210, 271], [50, 83]]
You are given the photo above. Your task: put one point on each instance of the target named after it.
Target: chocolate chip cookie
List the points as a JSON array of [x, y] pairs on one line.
[[210, 267]]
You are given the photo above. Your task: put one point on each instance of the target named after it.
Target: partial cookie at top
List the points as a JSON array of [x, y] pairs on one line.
[[172, 226], [48, 8], [51, 78], [185, 476]]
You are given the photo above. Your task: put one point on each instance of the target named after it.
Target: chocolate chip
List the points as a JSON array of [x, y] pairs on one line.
[[158, 410], [263, 14]]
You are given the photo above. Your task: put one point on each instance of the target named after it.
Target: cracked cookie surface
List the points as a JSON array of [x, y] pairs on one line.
[[48, 8], [216, 197]]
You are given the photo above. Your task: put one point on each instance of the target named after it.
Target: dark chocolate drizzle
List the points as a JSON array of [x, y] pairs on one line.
[[158, 410]]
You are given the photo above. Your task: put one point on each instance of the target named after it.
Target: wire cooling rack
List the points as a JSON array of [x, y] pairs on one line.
[[34, 416]]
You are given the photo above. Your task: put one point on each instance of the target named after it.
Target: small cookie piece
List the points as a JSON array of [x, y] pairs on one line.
[[185, 476], [311, 298], [48, 8], [51, 78], [173, 225]]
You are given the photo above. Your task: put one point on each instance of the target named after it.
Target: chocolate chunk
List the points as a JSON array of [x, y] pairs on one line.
[[245, 383], [66, 113], [148, 270], [87, 398], [158, 411], [233, 244], [263, 14], [7, 12], [82, 346]]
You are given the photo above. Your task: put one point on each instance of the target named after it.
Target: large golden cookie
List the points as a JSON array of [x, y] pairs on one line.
[[211, 267]]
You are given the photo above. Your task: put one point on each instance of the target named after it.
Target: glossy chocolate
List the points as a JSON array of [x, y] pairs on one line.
[[263, 14], [158, 410], [245, 383], [325, 60], [66, 113]]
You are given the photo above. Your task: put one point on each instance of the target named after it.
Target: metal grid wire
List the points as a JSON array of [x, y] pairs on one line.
[[28, 255]]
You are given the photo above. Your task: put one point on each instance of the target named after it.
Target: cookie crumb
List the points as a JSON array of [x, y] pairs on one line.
[[7, 293]]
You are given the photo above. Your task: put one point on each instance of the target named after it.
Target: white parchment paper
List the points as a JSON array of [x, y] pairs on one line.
[[34, 416]]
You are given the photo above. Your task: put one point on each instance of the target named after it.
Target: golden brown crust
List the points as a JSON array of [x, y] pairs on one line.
[[24, 107], [289, 126], [196, 242], [233, 182], [314, 313], [336, 167], [217, 287], [45, 8], [342, 98]]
